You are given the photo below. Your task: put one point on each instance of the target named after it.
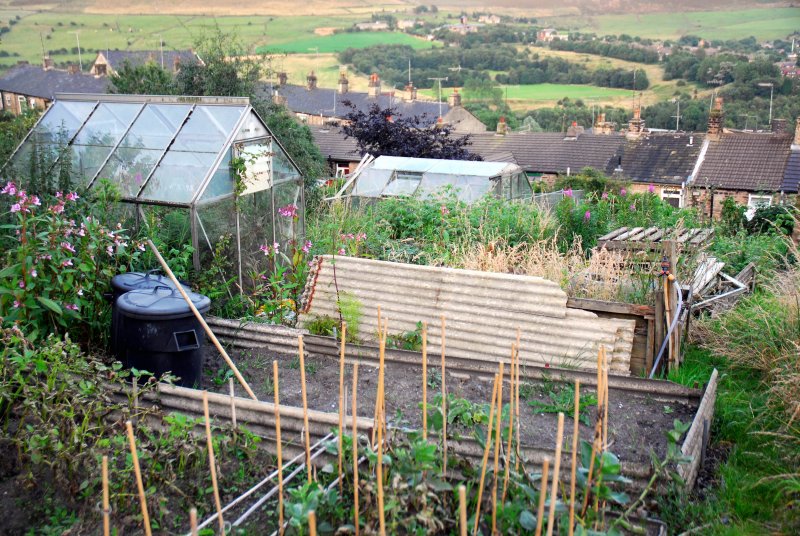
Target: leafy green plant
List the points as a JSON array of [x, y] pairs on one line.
[[410, 340], [561, 399]]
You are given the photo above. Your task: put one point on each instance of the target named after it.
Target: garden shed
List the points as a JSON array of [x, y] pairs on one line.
[[390, 176], [201, 169]]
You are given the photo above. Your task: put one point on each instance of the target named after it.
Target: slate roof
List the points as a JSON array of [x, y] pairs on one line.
[[550, 152], [747, 161], [116, 58], [791, 177], [333, 144], [34, 81], [320, 101], [662, 158]]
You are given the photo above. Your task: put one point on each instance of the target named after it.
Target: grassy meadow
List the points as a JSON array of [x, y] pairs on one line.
[[341, 41]]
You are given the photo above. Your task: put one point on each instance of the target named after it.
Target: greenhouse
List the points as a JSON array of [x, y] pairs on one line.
[[200, 169], [389, 176]]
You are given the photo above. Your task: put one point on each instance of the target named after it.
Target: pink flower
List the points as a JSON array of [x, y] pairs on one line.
[[651, 189], [623, 192], [307, 246], [587, 216], [568, 192], [35, 201], [341, 251], [140, 246], [58, 195], [22, 284], [34, 273], [445, 211], [361, 236], [69, 247], [604, 196], [138, 178], [276, 247], [10, 188], [110, 250], [71, 306], [72, 196], [58, 208], [67, 262], [15, 207], [289, 211], [633, 207], [80, 292], [264, 248], [16, 304]]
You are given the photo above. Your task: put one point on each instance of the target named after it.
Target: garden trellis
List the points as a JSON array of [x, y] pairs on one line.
[[205, 169]]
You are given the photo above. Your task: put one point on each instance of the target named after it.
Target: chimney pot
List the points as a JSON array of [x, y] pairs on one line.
[[502, 126], [311, 81], [282, 78], [374, 88], [344, 84], [47, 63], [454, 100], [796, 135], [716, 119], [778, 126]]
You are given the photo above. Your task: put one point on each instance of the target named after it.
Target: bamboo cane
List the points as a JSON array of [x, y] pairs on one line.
[[425, 381], [278, 447], [106, 510], [462, 510], [542, 495], [444, 404], [202, 320], [510, 426], [497, 442], [486, 448], [355, 446], [381, 365], [312, 523], [605, 400], [213, 464], [551, 518], [193, 522], [138, 473], [306, 431], [233, 403], [516, 404], [379, 475], [575, 434], [341, 403]]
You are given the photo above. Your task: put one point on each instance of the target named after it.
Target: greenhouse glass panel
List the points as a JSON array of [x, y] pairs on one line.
[[107, 124], [216, 228], [255, 228], [129, 167], [63, 116], [282, 168], [221, 183], [287, 195], [86, 162], [178, 176], [207, 129], [156, 126]]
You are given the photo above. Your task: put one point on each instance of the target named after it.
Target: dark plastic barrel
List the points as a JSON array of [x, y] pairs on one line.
[[122, 283], [161, 334]]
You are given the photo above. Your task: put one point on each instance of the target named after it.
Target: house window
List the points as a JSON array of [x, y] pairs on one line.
[[672, 196], [403, 183], [32, 102], [8, 101], [23, 104], [100, 69], [755, 202], [342, 170]]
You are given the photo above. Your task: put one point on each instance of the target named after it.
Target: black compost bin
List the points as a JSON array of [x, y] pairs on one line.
[[122, 283], [161, 334]]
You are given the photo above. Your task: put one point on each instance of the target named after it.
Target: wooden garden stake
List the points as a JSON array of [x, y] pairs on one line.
[[381, 365], [355, 446], [138, 472], [379, 474], [605, 400], [516, 405], [278, 448], [213, 464], [551, 518], [341, 402], [306, 432], [510, 426], [193, 522], [462, 510], [497, 442], [233, 403], [312, 523], [425, 381], [542, 495], [106, 510], [444, 405], [486, 448], [575, 434]]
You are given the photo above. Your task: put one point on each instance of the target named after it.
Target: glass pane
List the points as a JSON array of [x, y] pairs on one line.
[[63, 115], [207, 128], [221, 182], [178, 176], [404, 185], [128, 168], [255, 223], [107, 124], [283, 170], [171, 226], [86, 161], [216, 230], [258, 160], [156, 126], [286, 228]]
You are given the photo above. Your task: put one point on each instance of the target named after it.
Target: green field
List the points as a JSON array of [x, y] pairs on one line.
[[342, 41], [769, 23], [535, 95]]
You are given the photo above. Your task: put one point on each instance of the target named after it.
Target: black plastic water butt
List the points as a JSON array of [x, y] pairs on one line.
[[122, 283], [161, 334]]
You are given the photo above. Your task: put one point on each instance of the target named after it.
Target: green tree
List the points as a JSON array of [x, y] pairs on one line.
[[13, 128], [149, 78]]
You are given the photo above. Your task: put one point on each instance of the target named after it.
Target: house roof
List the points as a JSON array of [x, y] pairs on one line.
[[333, 144], [34, 81], [745, 161], [330, 103], [116, 58], [791, 178], [667, 157]]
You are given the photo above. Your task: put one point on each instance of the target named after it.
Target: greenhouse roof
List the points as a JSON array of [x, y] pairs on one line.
[[156, 149], [444, 167]]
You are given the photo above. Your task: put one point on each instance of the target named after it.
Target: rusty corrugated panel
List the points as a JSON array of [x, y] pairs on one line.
[[483, 311]]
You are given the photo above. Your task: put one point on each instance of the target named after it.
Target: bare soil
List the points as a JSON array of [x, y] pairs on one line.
[[637, 423]]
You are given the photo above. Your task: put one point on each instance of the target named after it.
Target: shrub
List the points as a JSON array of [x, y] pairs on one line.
[[776, 218]]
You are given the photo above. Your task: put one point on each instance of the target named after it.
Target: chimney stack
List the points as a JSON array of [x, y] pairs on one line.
[[716, 118], [601, 126], [282, 78], [374, 88], [636, 125], [410, 92], [176, 64], [47, 63], [502, 126], [796, 143], [454, 100], [73, 69], [344, 84], [278, 99], [439, 122], [311, 81], [778, 126]]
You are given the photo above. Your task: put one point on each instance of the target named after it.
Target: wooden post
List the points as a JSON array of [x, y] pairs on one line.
[[516, 405], [138, 473], [486, 448], [444, 404], [306, 432], [542, 496], [106, 509], [380, 387], [462, 510], [202, 320], [497, 441], [575, 435], [278, 446], [379, 475], [213, 464], [355, 446], [233, 403], [660, 330], [341, 403], [312, 523], [551, 518], [510, 425], [193, 521], [425, 381]]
